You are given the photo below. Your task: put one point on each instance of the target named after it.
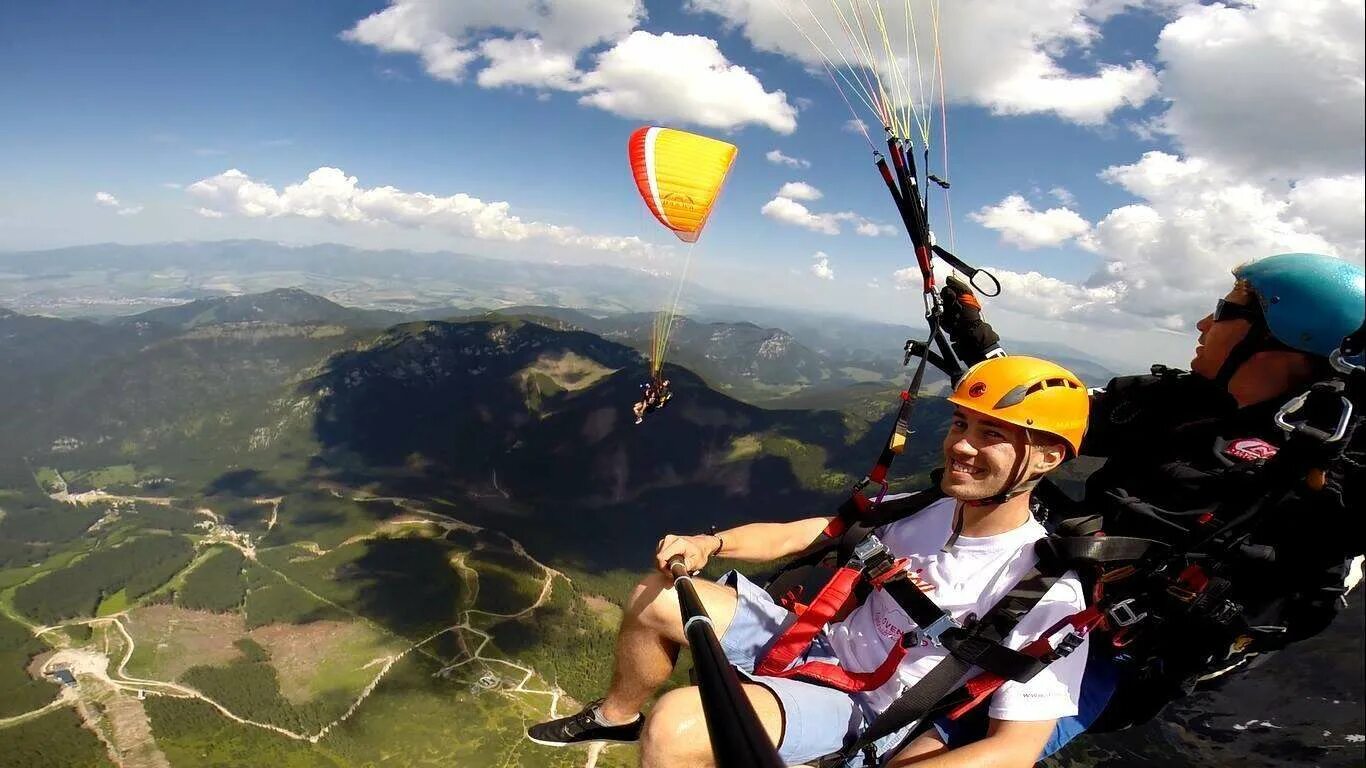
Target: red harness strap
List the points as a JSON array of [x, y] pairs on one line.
[[835, 676], [985, 684], [794, 641]]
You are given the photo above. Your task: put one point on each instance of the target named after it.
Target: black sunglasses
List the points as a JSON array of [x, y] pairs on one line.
[[1227, 310]]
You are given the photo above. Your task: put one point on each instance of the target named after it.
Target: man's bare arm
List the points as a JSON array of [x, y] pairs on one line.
[[755, 542]]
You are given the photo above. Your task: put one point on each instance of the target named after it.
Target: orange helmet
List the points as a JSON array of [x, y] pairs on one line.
[[1027, 392]]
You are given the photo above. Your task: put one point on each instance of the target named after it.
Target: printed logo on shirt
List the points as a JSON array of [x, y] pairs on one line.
[[1250, 449], [918, 579], [890, 621]]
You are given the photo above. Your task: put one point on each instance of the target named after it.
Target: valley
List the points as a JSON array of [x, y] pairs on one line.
[[150, 649], [273, 530]]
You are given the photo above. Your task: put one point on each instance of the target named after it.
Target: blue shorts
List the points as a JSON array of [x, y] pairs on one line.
[[817, 721], [1096, 688]]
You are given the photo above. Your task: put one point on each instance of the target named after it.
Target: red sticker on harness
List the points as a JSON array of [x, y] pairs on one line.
[[1250, 449]]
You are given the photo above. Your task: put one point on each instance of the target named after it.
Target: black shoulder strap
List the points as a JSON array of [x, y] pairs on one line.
[[858, 526], [1090, 551]]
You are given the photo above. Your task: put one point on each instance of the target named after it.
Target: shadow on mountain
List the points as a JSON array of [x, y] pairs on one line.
[[406, 584], [442, 394], [443, 410], [243, 483]]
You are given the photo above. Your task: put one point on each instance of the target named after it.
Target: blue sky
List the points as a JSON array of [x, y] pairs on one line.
[[139, 102]]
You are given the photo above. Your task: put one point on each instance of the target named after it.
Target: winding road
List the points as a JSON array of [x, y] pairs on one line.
[[95, 664]]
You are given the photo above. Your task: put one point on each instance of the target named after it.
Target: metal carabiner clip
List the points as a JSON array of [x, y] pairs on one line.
[[1342, 365], [1289, 427]]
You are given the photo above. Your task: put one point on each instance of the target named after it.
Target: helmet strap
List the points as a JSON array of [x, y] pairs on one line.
[[1256, 340], [1017, 483], [957, 527]]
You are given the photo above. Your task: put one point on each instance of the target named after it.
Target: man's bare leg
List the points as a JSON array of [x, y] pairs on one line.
[[676, 731], [650, 636]]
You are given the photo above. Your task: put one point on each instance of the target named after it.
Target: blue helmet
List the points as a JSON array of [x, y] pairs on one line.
[[1310, 301]]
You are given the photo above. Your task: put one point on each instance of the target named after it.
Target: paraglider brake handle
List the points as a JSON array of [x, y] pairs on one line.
[[969, 270], [916, 348]]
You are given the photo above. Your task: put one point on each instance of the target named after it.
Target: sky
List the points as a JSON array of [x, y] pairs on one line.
[[1110, 161]]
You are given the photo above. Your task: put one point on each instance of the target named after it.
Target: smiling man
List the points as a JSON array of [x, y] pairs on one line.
[[1179, 444], [1015, 420]]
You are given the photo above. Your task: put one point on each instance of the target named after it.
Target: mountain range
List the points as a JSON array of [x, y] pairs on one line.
[[358, 429]]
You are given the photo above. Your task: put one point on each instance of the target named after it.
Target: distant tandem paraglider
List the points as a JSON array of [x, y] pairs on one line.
[[679, 176]]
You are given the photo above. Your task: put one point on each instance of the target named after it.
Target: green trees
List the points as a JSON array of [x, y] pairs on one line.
[[55, 740], [37, 526], [216, 584], [139, 566], [20, 693]]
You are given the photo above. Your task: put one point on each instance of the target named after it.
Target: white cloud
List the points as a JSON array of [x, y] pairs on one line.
[[1025, 228], [682, 78], [799, 190], [110, 201], [209, 213], [855, 125], [447, 36], [821, 266], [792, 212], [1268, 87], [539, 43], [1334, 208], [789, 211], [907, 278], [1172, 252], [525, 61], [1042, 86], [866, 227], [1038, 295], [1003, 56], [776, 157], [329, 194], [1064, 196], [1166, 258]]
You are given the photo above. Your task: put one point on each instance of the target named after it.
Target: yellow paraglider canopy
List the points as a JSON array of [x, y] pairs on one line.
[[679, 175]]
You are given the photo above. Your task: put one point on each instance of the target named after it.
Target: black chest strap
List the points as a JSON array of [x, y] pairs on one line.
[[979, 645]]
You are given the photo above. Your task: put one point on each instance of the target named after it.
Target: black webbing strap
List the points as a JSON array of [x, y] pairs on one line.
[[922, 610], [967, 651], [888, 512], [1101, 550]]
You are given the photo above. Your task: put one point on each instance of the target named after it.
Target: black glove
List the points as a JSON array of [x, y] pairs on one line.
[[972, 337]]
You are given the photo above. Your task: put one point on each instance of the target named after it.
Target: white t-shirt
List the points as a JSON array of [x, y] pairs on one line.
[[969, 579]]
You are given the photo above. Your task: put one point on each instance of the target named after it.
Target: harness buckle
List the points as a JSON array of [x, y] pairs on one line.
[[1303, 426], [933, 634], [1068, 644], [870, 549], [1123, 614], [879, 566], [1225, 612]]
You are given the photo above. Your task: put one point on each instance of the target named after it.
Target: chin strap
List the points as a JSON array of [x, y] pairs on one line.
[[1019, 481], [957, 528], [1258, 339]]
